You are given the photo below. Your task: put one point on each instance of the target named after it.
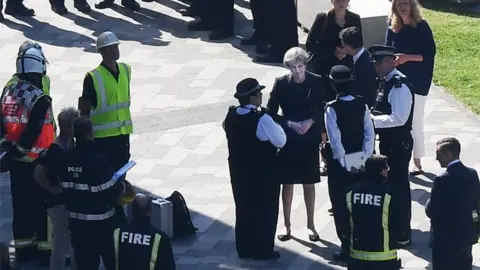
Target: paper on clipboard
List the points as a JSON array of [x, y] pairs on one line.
[[356, 160], [122, 171]]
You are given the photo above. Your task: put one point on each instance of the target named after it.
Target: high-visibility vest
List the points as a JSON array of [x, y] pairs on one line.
[[45, 88], [112, 116], [17, 102]]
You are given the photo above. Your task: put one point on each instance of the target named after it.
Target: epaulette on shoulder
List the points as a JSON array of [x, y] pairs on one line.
[[398, 81]]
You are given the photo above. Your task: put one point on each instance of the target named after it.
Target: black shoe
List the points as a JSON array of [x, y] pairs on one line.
[[268, 58], [198, 26], [265, 257], [83, 7], [252, 40], [104, 4], [341, 257], [220, 34], [131, 4], [188, 12], [284, 237], [148, 1], [60, 10], [19, 10]]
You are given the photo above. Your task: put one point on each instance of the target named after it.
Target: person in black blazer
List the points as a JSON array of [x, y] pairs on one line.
[[452, 207], [363, 69], [323, 43]]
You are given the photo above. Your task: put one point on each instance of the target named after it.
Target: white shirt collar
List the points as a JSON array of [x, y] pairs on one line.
[[357, 55], [390, 75], [249, 106], [453, 162]]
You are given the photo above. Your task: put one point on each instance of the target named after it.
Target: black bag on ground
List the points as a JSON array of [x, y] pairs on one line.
[[182, 222]]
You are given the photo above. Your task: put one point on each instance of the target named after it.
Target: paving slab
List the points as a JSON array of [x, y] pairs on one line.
[[181, 87]]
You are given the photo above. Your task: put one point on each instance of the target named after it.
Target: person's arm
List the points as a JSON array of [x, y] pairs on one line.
[[334, 135], [165, 257], [35, 123], [45, 161], [437, 198], [319, 107], [315, 34], [428, 48], [271, 131], [401, 102], [104, 174], [368, 134], [273, 104], [88, 99]]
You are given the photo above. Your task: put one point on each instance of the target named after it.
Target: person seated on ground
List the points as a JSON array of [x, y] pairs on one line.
[[136, 243]]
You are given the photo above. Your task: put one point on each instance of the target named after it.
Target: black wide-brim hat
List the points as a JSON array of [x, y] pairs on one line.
[[248, 87], [341, 74]]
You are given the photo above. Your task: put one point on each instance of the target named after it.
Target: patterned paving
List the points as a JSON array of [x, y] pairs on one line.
[[181, 88]]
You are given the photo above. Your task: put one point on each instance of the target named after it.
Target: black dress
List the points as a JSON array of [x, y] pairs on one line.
[[299, 158]]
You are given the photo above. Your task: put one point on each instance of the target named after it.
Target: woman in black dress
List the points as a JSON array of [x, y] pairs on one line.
[[300, 96]]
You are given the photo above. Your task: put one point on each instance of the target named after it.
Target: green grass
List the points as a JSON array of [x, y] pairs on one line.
[[457, 63]]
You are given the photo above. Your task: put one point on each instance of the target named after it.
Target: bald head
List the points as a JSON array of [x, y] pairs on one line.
[[141, 205]]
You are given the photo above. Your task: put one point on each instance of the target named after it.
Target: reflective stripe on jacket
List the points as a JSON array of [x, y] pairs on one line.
[[112, 116]]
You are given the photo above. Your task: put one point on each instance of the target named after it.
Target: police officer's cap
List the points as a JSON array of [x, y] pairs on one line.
[[377, 52], [248, 87], [340, 74]]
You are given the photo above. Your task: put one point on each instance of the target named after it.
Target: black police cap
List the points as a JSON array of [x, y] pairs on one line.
[[341, 73], [248, 87], [377, 52]]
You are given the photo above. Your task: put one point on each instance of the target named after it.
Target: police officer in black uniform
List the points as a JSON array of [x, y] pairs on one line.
[[392, 118], [90, 195], [370, 215], [350, 131], [253, 142], [139, 245]]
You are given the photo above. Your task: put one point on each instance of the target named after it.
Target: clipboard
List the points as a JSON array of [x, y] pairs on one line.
[[356, 160], [122, 171]]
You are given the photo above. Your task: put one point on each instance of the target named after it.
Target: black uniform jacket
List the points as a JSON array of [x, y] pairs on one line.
[[455, 195], [365, 79], [138, 254]]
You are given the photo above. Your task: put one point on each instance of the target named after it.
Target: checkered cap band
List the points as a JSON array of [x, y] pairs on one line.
[[383, 53]]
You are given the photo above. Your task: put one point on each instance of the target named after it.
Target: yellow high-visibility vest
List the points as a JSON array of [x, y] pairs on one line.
[[112, 116]]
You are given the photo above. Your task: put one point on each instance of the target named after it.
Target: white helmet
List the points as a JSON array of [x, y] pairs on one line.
[[107, 39], [31, 60], [27, 44]]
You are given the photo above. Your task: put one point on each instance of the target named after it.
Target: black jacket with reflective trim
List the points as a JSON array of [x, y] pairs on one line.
[[373, 211], [86, 181], [140, 246]]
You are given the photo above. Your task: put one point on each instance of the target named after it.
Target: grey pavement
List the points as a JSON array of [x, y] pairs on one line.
[[181, 86]]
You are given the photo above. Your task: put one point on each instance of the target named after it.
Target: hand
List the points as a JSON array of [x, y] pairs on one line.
[[305, 126], [295, 126], [401, 59], [340, 53]]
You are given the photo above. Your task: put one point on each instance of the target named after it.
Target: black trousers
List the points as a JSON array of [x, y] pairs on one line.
[[398, 149], [62, 2], [282, 26], [354, 264], [339, 181], [217, 14], [10, 3], [256, 215], [90, 243], [260, 11], [117, 151], [31, 230], [452, 257]]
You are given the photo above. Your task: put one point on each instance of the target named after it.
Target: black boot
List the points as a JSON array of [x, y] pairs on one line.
[[131, 4], [19, 10]]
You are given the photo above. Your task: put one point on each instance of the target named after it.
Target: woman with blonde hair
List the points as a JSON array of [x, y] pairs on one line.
[[411, 35]]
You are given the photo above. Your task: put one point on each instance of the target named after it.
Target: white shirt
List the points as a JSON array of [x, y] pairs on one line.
[[267, 128], [335, 136], [357, 55], [401, 101], [453, 162]]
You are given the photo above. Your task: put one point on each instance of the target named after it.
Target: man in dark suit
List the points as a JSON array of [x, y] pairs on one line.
[[452, 209], [364, 71]]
